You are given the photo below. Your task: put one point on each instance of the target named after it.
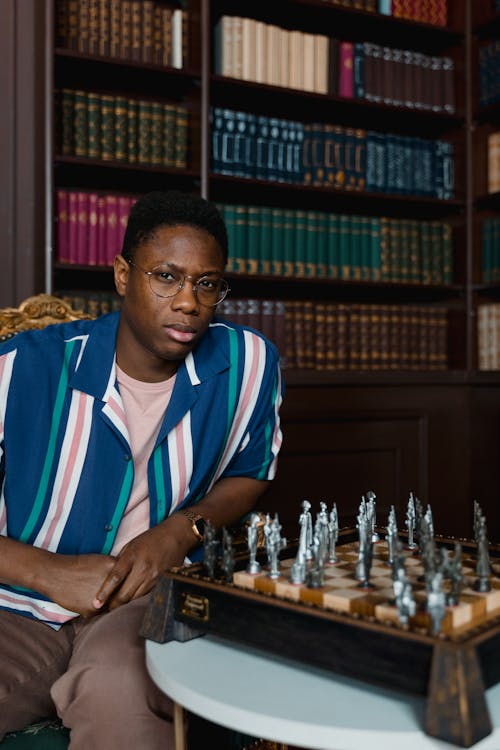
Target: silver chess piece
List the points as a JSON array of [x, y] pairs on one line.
[[253, 565], [275, 544], [436, 602], [333, 534], [410, 522]]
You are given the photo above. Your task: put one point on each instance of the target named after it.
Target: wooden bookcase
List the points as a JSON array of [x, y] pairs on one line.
[[434, 433]]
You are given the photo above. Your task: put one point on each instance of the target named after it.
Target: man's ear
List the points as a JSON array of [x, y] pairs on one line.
[[121, 272]]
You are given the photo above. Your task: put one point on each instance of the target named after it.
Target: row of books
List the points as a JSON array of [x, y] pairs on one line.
[[312, 244], [107, 127], [326, 335], [493, 162], [434, 12], [252, 50], [332, 336], [90, 226], [393, 76], [140, 30], [92, 303], [489, 73], [488, 336], [270, 148], [490, 243]]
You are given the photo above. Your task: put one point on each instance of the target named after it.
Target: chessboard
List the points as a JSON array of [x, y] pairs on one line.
[[350, 627], [341, 592]]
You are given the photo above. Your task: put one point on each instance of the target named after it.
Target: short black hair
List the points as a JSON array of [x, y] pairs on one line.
[[172, 208]]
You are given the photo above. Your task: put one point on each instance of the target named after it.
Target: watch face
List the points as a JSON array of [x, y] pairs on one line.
[[200, 525]]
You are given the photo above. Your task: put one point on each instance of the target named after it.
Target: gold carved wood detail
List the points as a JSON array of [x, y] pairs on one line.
[[36, 312]]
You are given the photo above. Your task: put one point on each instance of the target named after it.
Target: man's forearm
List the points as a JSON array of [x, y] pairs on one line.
[[22, 564]]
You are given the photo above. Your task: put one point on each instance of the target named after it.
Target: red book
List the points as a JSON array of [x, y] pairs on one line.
[[72, 227], [111, 242], [92, 224], [124, 206], [62, 251], [346, 78], [82, 202], [101, 230]]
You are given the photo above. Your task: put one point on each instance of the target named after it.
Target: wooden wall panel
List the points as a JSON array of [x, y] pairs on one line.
[[341, 441]]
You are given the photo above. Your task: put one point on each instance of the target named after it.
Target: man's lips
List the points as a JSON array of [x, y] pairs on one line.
[[180, 333]]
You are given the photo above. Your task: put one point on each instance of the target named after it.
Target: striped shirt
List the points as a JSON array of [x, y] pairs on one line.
[[65, 460]]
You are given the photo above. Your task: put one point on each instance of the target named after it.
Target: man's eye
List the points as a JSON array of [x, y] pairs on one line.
[[208, 284], [165, 276]]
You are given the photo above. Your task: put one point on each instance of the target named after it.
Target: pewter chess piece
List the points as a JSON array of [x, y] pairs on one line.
[[372, 514], [403, 595], [210, 549], [391, 536], [483, 567], [399, 561], [430, 520], [227, 555], [299, 568], [456, 576], [419, 514], [436, 602], [276, 544], [306, 530], [333, 534], [253, 567], [410, 522], [365, 553]]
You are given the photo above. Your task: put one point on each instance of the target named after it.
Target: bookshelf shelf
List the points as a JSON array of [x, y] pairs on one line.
[[283, 102]]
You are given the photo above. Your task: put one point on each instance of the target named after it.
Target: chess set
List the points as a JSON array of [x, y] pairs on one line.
[[409, 609]]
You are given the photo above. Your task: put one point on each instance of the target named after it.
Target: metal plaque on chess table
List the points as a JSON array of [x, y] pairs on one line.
[[350, 631]]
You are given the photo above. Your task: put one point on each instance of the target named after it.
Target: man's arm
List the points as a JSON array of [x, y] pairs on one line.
[[143, 559], [69, 580]]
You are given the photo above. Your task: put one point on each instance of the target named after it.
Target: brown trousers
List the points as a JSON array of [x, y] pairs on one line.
[[91, 673]]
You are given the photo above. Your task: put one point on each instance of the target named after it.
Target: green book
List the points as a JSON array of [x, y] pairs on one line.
[[156, 133], [298, 265], [81, 124], [311, 258], [132, 130], [395, 250], [404, 275], [94, 126], [144, 132], [288, 241], [322, 245], [425, 251], [253, 237], [229, 214], [277, 242], [120, 129], [181, 137], [355, 241], [67, 117], [345, 246], [375, 250], [107, 103], [447, 245], [241, 249], [168, 142], [436, 252], [385, 235], [365, 256], [333, 249], [414, 233], [265, 241]]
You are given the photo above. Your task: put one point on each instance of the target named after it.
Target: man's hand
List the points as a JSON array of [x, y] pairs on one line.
[[73, 581], [141, 561]]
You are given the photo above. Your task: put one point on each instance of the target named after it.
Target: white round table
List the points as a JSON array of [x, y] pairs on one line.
[[254, 693]]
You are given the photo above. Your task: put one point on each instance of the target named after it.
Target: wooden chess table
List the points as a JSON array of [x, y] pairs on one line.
[[349, 630]]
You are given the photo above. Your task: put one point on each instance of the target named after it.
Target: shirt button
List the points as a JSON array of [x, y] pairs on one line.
[[108, 527], [127, 456]]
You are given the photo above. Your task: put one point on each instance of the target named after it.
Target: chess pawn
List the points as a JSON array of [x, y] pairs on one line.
[[253, 566]]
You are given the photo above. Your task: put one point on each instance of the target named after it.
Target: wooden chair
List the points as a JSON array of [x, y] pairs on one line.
[[36, 312]]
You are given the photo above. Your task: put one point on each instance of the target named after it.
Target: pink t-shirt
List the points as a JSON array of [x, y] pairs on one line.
[[145, 405]]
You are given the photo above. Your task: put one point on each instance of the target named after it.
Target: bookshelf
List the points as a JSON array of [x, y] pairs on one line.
[[350, 428]]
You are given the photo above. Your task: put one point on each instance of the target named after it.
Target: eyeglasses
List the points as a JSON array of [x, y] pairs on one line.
[[165, 281]]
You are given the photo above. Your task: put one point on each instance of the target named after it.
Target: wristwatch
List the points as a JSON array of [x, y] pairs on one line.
[[197, 523]]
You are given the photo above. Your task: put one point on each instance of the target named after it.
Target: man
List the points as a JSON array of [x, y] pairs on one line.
[[119, 438]]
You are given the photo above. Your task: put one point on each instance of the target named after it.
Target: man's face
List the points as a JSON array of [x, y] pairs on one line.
[[156, 333]]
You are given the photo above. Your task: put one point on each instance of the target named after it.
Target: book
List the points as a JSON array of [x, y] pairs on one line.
[[62, 219], [346, 72]]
